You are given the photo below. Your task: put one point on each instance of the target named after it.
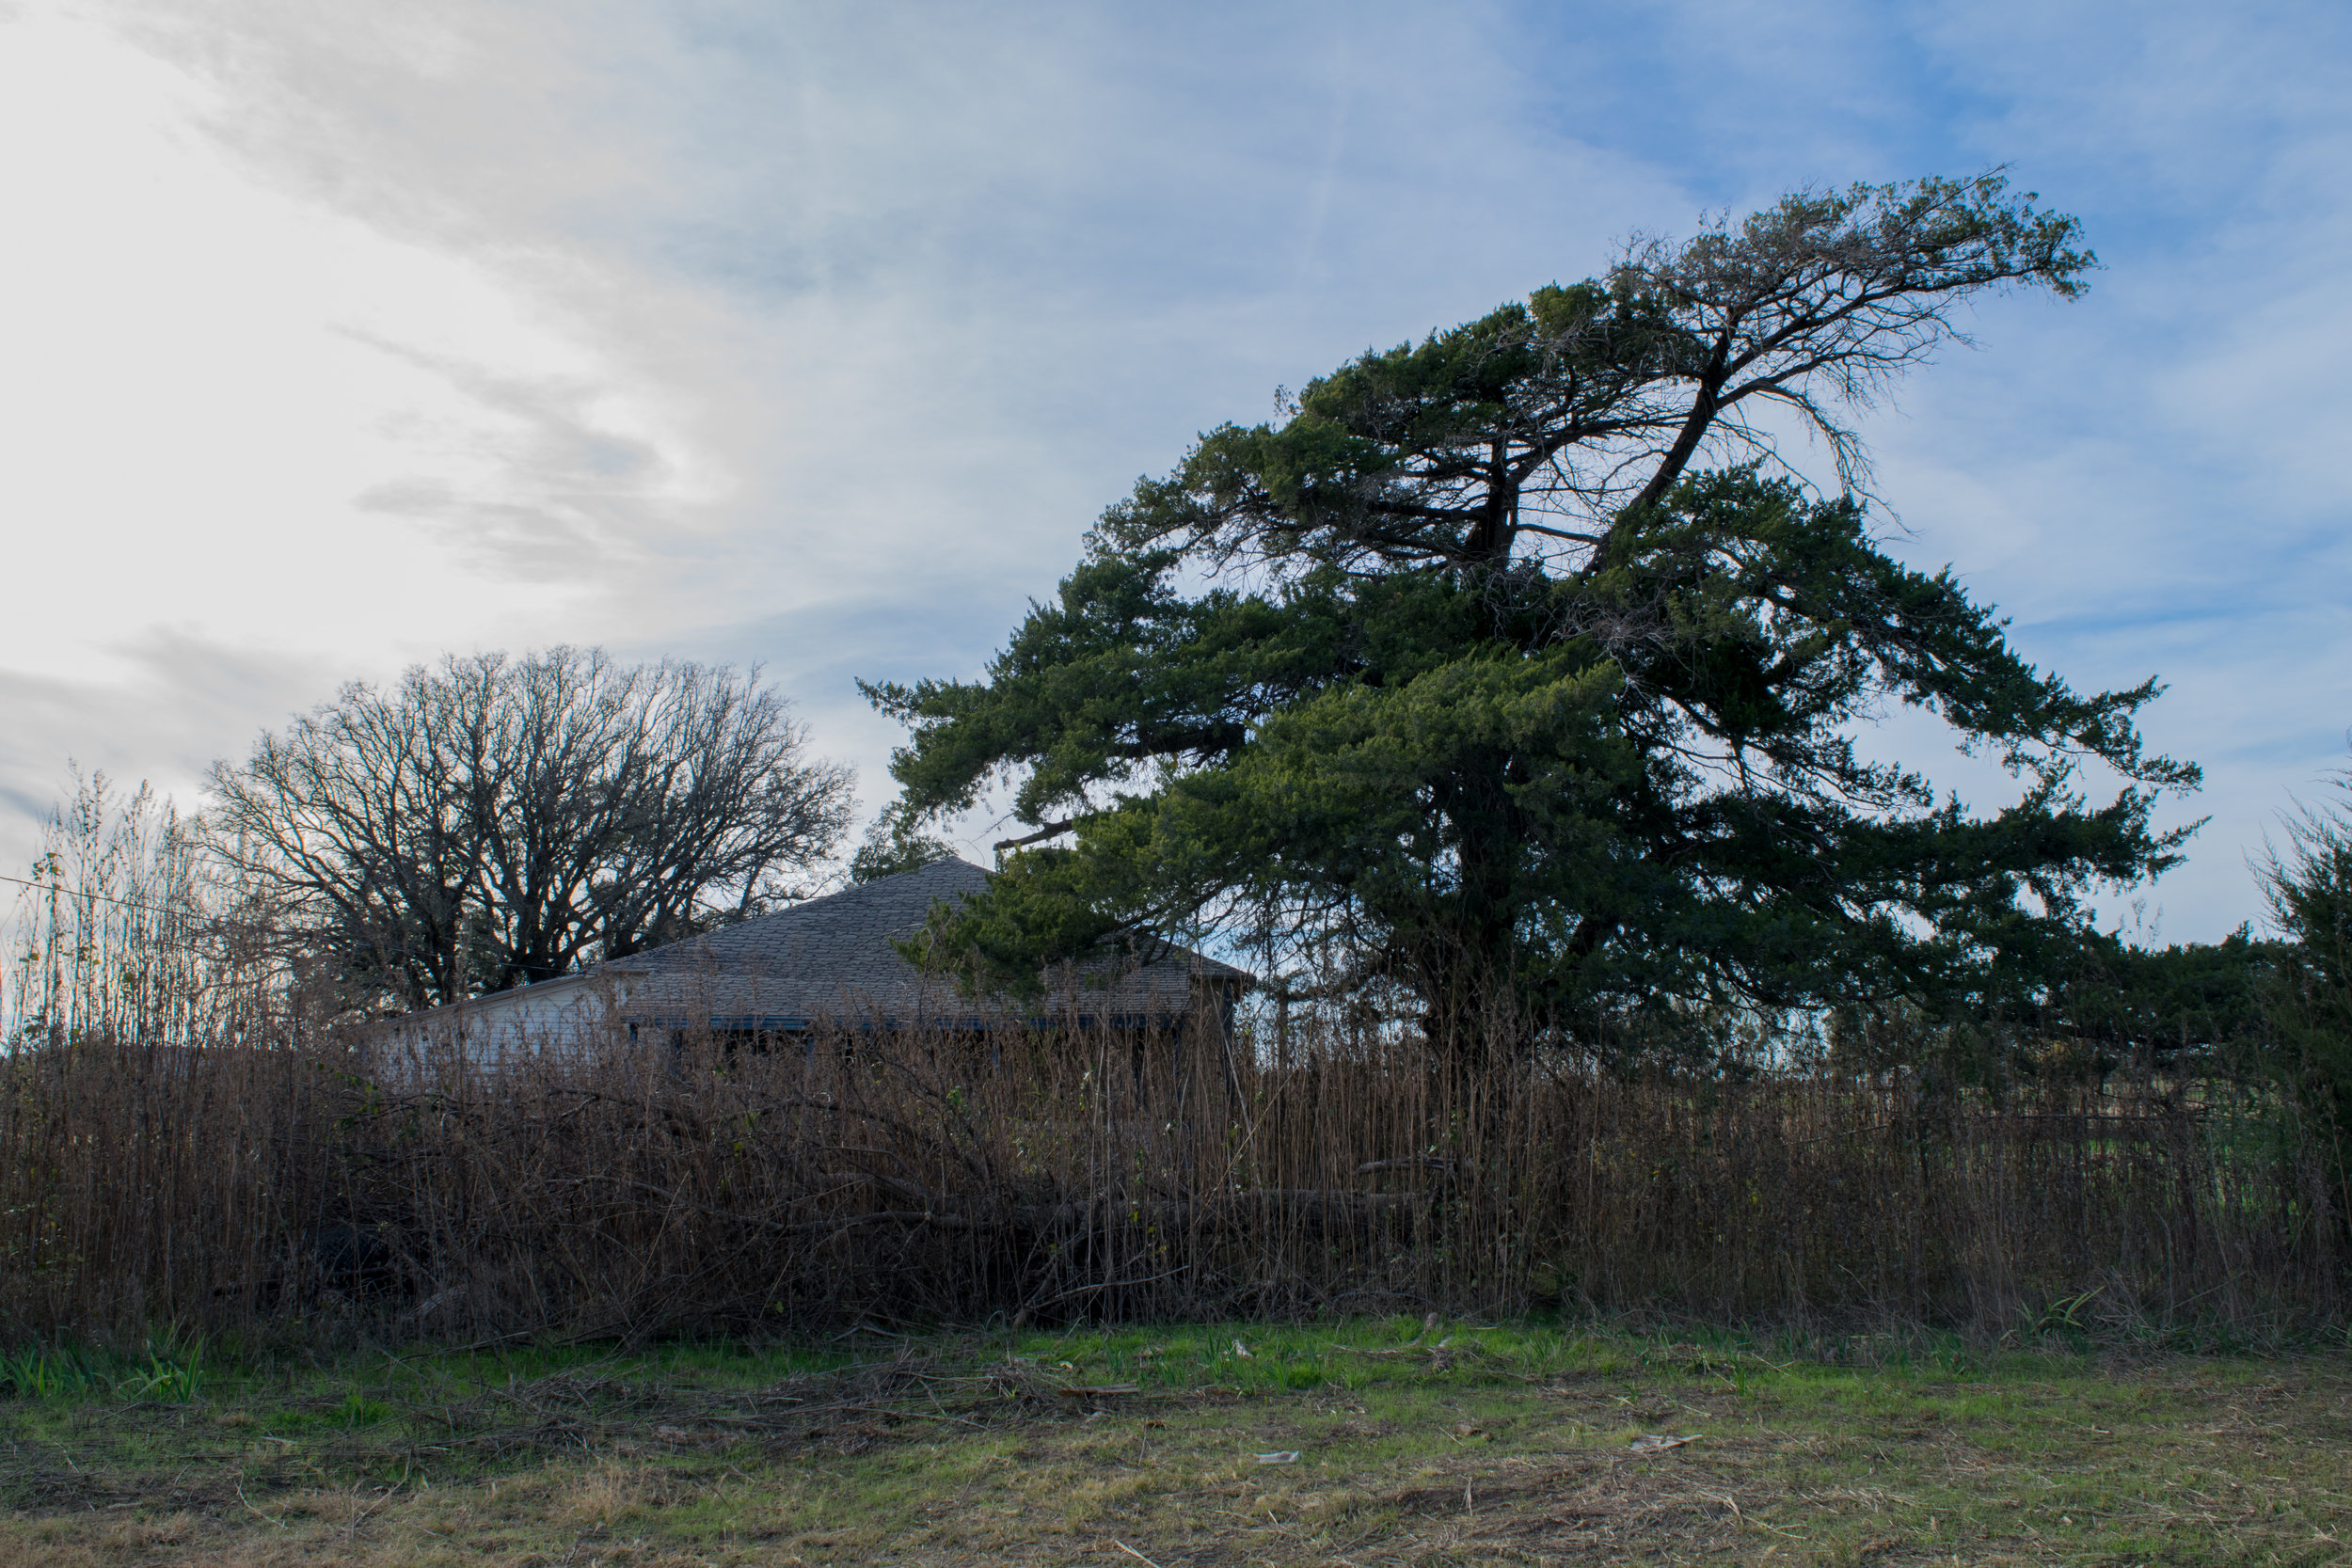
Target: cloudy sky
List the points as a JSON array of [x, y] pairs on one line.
[[333, 337]]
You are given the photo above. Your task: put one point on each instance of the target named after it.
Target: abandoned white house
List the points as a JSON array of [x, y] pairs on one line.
[[829, 963]]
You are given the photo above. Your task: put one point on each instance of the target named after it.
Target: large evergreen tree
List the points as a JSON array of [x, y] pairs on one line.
[[1513, 671]]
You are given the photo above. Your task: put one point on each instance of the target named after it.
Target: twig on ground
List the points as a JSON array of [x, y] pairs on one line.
[[257, 1512]]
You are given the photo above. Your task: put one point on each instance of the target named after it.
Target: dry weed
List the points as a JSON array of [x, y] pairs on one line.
[[655, 1191]]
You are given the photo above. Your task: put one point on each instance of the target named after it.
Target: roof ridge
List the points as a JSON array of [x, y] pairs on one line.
[[845, 941]]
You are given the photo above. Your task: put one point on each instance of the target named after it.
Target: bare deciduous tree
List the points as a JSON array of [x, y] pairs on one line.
[[492, 821]]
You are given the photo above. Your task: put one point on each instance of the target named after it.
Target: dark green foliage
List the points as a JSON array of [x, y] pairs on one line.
[[893, 846], [2192, 1010], [2195, 1005], [1493, 698], [2309, 997]]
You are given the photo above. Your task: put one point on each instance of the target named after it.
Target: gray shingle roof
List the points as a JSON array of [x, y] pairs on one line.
[[833, 957]]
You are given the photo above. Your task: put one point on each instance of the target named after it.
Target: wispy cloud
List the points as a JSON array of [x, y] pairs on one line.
[[816, 335]]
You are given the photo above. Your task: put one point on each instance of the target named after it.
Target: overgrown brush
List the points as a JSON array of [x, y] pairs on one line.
[[182, 1143], [639, 1189]]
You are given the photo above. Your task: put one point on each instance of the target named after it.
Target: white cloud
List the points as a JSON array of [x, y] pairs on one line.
[[270, 429], [340, 336]]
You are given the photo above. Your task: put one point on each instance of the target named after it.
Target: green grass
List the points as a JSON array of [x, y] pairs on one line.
[[1417, 1442], [170, 1368]]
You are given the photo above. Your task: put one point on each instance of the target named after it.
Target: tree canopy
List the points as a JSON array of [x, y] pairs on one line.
[[2309, 995], [494, 821], [1514, 669]]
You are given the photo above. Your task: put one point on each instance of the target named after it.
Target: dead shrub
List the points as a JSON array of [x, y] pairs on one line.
[[636, 1189]]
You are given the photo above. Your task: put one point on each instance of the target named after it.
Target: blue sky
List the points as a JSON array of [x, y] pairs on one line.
[[816, 336]]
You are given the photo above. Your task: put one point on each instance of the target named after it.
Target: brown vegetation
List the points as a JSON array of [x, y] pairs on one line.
[[182, 1143], [640, 1191]]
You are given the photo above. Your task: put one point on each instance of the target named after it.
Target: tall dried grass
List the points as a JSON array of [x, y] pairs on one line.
[[181, 1142], [646, 1189]]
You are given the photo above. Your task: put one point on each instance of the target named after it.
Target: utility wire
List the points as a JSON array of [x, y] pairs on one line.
[[103, 898]]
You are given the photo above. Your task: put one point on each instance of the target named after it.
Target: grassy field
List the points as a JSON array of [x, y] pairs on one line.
[[1375, 1442]]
